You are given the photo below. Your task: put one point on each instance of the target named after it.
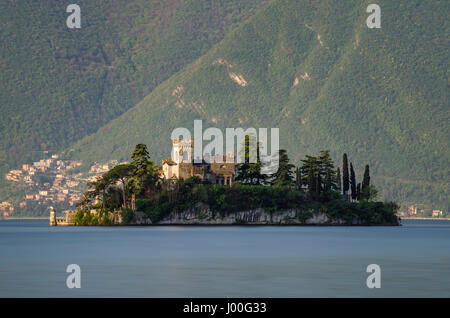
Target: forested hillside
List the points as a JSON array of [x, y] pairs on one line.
[[58, 85], [317, 72]]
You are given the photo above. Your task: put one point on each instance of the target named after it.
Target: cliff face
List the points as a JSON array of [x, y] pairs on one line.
[[202, 215], [257, 217]]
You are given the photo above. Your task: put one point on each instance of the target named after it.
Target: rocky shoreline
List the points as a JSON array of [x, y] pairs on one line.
[[201, 214]]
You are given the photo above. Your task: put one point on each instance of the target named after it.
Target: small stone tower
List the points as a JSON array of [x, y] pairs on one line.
[[52, 216]]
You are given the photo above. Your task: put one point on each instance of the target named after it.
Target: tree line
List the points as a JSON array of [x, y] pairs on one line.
[[114, 188], [316, 176]]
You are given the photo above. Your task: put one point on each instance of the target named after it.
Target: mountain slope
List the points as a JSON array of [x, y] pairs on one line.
[[316, 71], [58, 85]]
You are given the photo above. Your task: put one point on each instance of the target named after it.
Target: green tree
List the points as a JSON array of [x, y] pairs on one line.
[[352, 182], [121, 173], [365, 183], [243, 169], [345, 177], [144, 176], [298, 178], [327, 171], [311, 183], [339, 180], [283, 176], [254, 171], [372, 193], [310, 169], [318, 187], [89, 197], [99, 189], [328, 185]]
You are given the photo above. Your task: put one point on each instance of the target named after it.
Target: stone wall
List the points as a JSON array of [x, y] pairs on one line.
[[69, 217], [185, 170]]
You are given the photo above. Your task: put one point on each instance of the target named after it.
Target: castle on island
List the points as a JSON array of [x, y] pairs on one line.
[[216, 169]]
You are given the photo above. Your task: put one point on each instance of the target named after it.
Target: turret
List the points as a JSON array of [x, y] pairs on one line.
[[182, 150], [52, 216]]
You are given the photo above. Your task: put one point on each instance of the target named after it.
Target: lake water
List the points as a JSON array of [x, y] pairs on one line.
[[224, 261]]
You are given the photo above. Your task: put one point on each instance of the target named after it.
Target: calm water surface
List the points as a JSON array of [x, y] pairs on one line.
[[229, 261]]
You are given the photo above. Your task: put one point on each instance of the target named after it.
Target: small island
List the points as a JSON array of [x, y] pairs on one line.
[[217, 192]]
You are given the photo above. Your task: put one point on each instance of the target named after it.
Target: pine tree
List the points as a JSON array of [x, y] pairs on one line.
[[309, 170], [318, 186], [120, 173], [328, 182], [298, 178], [145, 175], [283, 176], [243, 173], [352, 182], [345, 179], [365, 183], [254, 171], [326, 170], [311, 184]]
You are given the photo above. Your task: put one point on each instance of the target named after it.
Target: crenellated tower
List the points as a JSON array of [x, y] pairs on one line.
[[182, 150]]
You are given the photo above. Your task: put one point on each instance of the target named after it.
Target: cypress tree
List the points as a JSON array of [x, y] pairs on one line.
[[339, 181], [365, 183], [358, 192], [345, 179], [352, 182]]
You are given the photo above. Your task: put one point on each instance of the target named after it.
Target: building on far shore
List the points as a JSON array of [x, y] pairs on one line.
[[437, 213], [412, 210], [218, 169]]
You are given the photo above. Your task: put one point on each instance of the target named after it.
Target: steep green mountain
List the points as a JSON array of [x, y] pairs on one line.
[[315, 70], [58, 85]]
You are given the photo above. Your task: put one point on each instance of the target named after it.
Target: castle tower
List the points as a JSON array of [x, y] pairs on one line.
[[52, 216], [182, 150]]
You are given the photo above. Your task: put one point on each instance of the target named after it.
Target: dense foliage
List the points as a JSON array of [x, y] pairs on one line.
[[157, 197], [58, 85], [239, 197]]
